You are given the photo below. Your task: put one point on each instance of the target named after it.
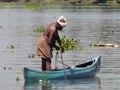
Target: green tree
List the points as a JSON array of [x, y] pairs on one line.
[[101, 1]]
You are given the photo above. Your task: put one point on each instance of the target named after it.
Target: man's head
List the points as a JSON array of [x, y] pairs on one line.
[[62, 21]]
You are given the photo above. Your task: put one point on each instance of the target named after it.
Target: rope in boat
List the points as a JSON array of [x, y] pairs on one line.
[[56, 56], [61, 63], [63, 66]]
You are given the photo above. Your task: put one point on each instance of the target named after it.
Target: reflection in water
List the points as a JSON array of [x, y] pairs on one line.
[[85, 83]]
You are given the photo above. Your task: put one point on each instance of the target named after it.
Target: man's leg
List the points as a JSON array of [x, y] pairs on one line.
[[48, 64], [43, 66]]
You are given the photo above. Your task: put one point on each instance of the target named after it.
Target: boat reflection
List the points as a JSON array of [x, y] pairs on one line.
[[63, 85]]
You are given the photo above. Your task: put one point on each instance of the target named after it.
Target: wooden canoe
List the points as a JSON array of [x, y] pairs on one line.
[[87, 69]]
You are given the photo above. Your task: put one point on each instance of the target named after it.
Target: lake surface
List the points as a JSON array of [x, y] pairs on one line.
[[18, 43]]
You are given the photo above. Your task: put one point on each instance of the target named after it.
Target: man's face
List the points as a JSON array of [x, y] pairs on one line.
[[60, 27]]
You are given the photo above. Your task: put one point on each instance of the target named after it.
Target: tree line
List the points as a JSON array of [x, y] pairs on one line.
[[71, 1]]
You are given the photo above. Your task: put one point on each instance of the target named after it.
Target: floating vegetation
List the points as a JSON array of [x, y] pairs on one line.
[[39, 29], [17, 78], [11, 47], [71, 44], [44, 82], [31, 55], [34, 5], [0, 26], [106, 33], [7, 68], [94, 44]]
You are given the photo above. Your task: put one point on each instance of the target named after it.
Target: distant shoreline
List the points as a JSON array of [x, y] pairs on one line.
[[24, 5]]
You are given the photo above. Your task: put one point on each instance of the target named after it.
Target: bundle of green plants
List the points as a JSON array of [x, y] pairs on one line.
[[71, 44]]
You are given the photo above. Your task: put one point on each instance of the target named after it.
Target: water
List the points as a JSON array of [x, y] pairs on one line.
[[18, 42]]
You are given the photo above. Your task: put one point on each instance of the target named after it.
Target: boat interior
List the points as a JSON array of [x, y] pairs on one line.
[[85, 64], [78, 66]]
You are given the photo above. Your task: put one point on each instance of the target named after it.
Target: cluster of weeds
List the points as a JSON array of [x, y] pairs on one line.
[[31, 55], [39, 29], [106, 33], [44, 82], [11, 47], [71, 44], [94, 44], [34, 5]]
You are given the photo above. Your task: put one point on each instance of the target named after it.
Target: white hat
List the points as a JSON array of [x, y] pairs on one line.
[[63, 24]]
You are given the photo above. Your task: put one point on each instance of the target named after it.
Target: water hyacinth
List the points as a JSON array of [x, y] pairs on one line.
[[34, 5], [11, 47], [44, 82], [70, 44], [31, 55], [39, 29]]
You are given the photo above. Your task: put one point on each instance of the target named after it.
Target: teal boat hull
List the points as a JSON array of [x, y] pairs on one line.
[[87, 69]]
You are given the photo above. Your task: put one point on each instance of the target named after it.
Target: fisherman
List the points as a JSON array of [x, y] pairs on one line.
[[47, 41]]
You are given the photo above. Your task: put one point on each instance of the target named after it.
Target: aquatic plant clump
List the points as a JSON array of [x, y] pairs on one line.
[[94, 44], [31, 55], [44, 82], [11, 47], [39, 29], [70, 44], [34, 5]]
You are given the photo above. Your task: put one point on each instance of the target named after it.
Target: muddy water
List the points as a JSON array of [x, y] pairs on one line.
[[18, 44]]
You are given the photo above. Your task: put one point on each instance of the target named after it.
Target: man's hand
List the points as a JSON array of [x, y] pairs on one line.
[[57, 48], [62, 50]]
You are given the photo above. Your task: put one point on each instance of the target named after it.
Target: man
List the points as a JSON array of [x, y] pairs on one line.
[[47, 41]]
